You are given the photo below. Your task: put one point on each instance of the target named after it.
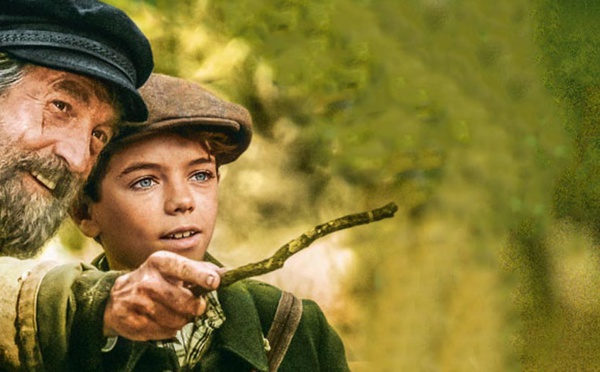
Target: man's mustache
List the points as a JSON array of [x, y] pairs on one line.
[[29, 218], [54, 171]]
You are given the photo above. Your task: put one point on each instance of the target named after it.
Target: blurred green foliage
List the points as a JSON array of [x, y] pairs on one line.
[[478, 118]]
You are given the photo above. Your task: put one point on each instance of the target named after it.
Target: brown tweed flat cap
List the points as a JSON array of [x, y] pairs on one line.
[[174, 102]]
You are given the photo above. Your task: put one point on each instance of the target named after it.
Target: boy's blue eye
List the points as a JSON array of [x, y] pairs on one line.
[[201, 176], [143, 183]]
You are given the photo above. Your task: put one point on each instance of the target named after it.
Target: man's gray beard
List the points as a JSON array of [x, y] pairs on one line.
[[29, 218]]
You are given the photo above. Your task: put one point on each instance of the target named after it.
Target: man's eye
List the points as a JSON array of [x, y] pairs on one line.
[[143, 183], [61, 105], [101, 135]]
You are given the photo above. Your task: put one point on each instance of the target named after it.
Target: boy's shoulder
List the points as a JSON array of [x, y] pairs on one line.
[[261, 290]]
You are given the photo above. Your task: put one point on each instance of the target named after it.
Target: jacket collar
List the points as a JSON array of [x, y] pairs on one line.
[[241, 333]]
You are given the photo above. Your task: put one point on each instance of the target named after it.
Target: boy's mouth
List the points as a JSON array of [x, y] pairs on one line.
[[180, 234]]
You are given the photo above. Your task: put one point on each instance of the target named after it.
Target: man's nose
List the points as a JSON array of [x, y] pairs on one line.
[[179, 198], [74, 148]]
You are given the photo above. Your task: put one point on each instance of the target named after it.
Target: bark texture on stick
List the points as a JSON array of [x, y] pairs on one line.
[[294, 246]]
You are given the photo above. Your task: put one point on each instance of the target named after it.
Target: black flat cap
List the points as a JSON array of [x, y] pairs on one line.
[[81, 36], [176, 103]]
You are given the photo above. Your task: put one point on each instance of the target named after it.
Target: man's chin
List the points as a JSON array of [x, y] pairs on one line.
[[28, 221], [21, 251], [31, 238]]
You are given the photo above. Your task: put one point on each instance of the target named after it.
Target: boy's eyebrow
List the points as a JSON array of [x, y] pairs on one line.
[[137, 166], [202, 160], [153, 166]]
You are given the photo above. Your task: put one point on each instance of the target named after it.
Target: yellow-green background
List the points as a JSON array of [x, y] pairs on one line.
[[478, 118]]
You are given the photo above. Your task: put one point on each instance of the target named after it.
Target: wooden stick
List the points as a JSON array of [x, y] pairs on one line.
[[294, 246]]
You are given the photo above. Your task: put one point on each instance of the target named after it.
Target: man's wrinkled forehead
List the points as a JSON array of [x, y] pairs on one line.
[[75, 90], [86, 91], [83, 89]]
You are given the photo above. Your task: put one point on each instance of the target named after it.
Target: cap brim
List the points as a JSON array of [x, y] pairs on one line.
[[134, 108]]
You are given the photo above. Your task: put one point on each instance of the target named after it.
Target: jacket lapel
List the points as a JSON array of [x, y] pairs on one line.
[[241, 333]]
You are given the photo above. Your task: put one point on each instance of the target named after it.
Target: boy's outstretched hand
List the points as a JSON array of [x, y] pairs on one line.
[[153, 302]]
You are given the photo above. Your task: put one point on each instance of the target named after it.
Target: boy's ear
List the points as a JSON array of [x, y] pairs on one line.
[[89, 228], [81, 214]]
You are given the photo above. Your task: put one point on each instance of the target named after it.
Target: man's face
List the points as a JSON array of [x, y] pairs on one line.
[[53, 124], [159, 193]]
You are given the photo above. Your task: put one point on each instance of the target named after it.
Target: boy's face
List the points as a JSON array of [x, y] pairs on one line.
[[159, 193]]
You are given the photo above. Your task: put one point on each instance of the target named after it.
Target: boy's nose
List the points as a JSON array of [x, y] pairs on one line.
[[179, 200]]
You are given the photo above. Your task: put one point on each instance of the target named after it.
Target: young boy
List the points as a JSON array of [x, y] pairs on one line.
[[155, 189]]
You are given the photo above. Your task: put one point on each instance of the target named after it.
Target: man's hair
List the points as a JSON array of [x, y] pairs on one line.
[[11, 72]]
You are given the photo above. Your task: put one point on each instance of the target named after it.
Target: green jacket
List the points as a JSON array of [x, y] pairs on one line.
[[44, 306], [249, 307], [51, 320]]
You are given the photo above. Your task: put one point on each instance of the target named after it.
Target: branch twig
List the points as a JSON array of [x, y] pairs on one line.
[[294, 246]]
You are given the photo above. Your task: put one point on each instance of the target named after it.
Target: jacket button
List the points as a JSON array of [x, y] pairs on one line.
[[23, 276]]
